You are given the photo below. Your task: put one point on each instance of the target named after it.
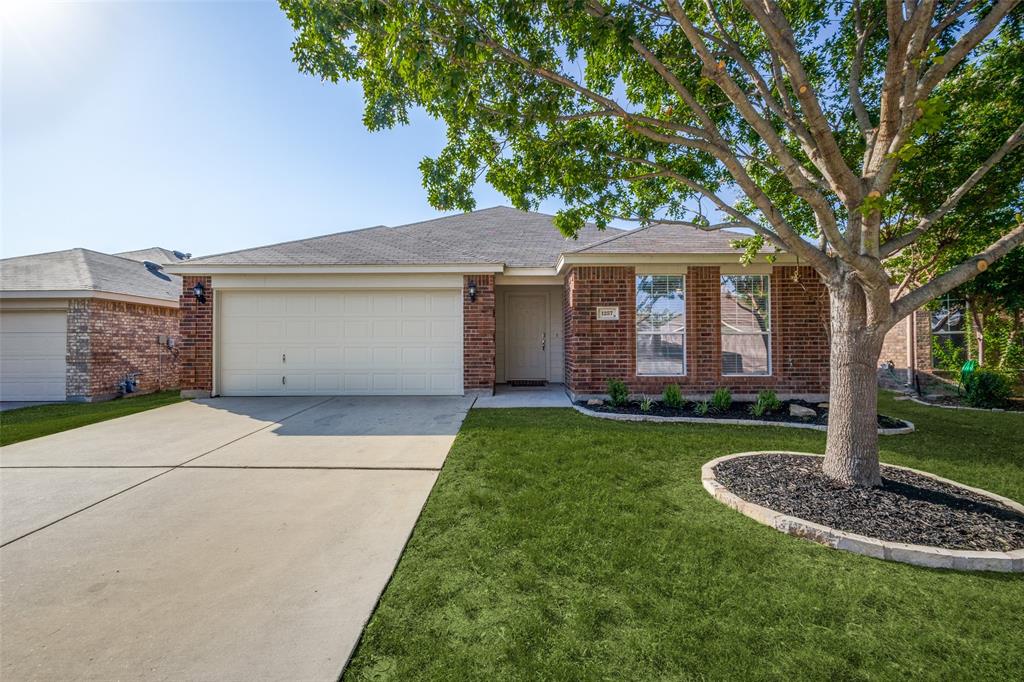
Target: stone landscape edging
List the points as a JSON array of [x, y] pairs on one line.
[[616, 416], [918, 555]]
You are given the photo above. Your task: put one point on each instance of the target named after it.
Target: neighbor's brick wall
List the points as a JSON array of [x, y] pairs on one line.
[[894, 348], [109, 339], [196, 347], [478, 328], [597, 351]]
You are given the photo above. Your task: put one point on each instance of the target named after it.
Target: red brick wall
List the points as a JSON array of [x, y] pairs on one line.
[[108, 339], [894, 348], [597, 351], [478, 333], [196, 347]]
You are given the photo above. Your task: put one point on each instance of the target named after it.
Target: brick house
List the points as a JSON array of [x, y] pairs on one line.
[[497, 296], [74, 323]]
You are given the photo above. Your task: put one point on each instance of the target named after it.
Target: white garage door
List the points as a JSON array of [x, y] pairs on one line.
[[33, 347], [351, 342]]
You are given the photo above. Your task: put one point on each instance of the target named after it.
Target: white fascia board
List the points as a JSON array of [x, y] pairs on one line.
[[339, 281], [681, 259], [79, 293], [458, 268]]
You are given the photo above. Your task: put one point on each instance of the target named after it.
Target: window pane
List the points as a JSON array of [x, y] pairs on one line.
[[949, 316], [660, 304], [745, 304], [659, 354], [745, 353]]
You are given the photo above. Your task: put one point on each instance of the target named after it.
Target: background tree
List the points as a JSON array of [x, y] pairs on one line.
[[790, 119]]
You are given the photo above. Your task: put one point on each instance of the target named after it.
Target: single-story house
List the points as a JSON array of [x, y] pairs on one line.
[[496, 296], [75, 323]]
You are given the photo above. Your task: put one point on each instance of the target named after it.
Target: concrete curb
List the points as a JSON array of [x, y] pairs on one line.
[[918, 555], [909, 428], [961, 407]]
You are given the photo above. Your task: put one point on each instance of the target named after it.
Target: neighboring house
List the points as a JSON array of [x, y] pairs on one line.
[[911, 343], [496, 296], [155, 254], [74, 323]]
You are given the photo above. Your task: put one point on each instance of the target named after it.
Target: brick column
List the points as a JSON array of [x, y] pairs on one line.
[[195, 352], [79, 352], [478, 334]]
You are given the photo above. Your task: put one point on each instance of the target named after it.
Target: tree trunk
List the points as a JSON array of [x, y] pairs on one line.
[[978, 327], [851, 451]]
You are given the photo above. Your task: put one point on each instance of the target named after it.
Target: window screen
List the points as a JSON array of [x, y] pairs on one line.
[[746, 325], [661, 325]]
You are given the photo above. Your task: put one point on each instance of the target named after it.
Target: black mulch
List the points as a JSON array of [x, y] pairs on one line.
[[738, 410], [1013, 405], [908, 508]]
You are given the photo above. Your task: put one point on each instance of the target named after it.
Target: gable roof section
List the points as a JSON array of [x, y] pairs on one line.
[[83, 270], [661, 238], [156, 254], [499, 235]]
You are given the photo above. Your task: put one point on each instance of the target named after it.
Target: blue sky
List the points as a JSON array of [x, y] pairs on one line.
[[186, 125]]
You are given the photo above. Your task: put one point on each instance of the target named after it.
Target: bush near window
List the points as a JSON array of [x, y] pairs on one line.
[[721, 401], [988, 389], [702, 408], [673, 397], [618, 392], [646, 404]]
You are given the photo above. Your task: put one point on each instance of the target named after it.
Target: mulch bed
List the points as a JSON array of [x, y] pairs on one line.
[[908, 507], [1014, 404], [738, 410]]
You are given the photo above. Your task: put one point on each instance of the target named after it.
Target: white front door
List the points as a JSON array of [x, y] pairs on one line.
[[526, 340], [33, 348], [340, 342]]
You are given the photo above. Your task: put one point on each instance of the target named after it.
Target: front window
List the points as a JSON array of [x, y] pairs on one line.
[[746, 325], [661, 325], [948, 338]]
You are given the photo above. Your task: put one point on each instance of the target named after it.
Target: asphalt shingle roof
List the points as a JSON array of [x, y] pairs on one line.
[[85, 270], [665, 238], [493, 235], [155, 254]]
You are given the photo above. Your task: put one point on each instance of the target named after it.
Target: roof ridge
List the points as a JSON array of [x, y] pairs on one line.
[[289, 241]]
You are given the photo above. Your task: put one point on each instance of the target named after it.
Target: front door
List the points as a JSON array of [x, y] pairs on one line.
[[526, 341]]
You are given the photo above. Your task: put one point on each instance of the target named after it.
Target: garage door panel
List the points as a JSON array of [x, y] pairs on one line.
[[341, 342], [33, 350]]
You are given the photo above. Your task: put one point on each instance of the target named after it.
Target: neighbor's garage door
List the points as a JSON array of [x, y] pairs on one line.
[[351, 342], [33, 347]]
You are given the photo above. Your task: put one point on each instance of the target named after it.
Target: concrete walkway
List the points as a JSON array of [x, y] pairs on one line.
[[550, 395], [228, 539]]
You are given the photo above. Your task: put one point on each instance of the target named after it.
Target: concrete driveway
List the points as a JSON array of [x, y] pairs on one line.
[[224, 539]]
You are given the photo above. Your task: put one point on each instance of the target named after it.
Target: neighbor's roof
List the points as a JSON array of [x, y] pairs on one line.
[[85, 270], [667, 238], [492, 235], [155, 254], [499, 235]]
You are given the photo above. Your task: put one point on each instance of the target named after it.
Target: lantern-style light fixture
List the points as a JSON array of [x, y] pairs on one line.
[[200, 292], [472, 291]]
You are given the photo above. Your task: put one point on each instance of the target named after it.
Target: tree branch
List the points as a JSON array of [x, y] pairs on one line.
[[956, 276], [901, 242]]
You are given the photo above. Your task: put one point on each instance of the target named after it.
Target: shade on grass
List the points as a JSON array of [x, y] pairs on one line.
[[558, 546], [42, 420]]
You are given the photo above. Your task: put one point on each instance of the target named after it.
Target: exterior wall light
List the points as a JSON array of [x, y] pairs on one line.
[[200, 292], [472, 291]]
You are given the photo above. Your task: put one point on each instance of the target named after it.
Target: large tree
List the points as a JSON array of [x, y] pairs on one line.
[[789, 119]]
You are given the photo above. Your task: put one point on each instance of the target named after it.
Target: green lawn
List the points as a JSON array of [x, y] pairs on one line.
[[42, 420], [556, 546]]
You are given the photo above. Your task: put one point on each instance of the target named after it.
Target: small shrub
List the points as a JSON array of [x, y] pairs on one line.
[[947, 356], [766, 402], [721, 401], [646, 404], [702, 408], [618, 392], [672, 397], [988, 389]]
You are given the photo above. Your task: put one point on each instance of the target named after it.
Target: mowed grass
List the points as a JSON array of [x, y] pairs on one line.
[[556, 546], [42, 420]]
